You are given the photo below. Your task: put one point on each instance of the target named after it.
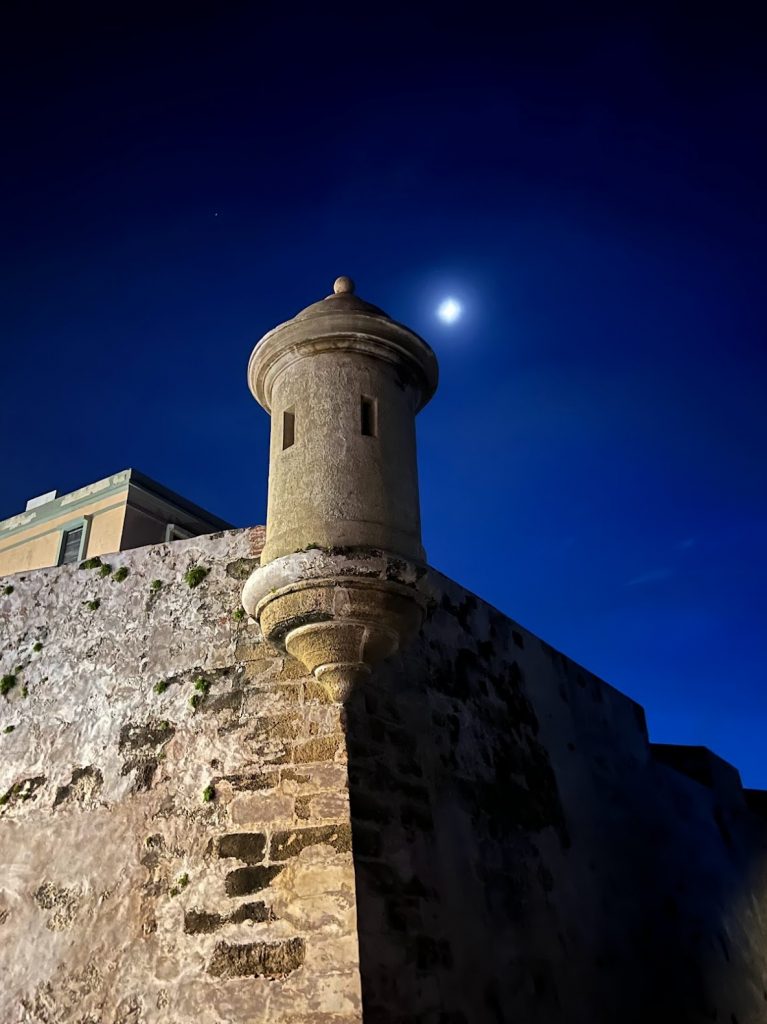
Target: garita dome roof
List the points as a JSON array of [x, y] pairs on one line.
[[343, 322]]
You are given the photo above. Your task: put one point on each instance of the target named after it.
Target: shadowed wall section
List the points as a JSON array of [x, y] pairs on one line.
[[523, 854]]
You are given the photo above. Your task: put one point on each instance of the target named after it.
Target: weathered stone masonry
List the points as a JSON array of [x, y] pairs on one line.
[[483, 833], [163, 862]]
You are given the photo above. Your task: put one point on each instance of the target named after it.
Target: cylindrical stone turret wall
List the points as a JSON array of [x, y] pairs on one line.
[[335, 486], [343, 383]]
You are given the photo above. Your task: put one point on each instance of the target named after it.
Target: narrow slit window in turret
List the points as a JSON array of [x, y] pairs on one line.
[[368, 417], [288, 429]]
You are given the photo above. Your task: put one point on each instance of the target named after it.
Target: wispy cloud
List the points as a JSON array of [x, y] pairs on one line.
[[652, 576]]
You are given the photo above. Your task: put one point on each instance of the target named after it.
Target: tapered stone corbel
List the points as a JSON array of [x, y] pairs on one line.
[[338, 615]]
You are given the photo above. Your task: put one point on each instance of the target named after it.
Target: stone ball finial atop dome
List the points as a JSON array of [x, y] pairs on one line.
[[343, 285]]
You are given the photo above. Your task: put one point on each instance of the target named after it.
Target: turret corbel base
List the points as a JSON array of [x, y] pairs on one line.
[[338, 615]]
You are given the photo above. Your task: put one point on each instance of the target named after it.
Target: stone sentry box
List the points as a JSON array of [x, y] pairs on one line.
[[338, 580]]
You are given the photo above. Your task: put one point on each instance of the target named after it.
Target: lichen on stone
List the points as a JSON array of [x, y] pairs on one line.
[[64, 904]]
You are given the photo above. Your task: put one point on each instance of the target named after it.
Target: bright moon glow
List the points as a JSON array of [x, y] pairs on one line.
[[449, 310]]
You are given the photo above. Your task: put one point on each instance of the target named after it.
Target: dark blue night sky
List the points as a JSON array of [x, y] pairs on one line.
[[590, 187]]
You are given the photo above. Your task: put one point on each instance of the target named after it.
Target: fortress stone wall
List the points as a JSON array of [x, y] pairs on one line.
[[481, 834], [131, 891]]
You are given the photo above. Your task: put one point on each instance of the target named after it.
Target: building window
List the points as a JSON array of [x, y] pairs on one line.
[[368, 417], [288, 429], [73, 541], [70, 545]]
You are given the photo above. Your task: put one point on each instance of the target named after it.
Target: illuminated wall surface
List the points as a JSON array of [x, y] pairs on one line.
[[190, 833]]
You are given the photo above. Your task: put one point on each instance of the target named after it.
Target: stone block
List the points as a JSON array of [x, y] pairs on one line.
[[322, 748], [334, 997], [315, 874], [246, 846], [261, 809], [275, 727], [293, 669], [328, 805], [265, 700], [290, 842], [250, 781], [257, 959], [244, 881], [315, 778], [259, 668]]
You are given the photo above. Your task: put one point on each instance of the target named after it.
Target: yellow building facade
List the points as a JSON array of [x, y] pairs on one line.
[[122, 511]]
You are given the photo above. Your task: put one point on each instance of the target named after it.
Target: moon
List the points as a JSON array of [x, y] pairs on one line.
[[449, 310]]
